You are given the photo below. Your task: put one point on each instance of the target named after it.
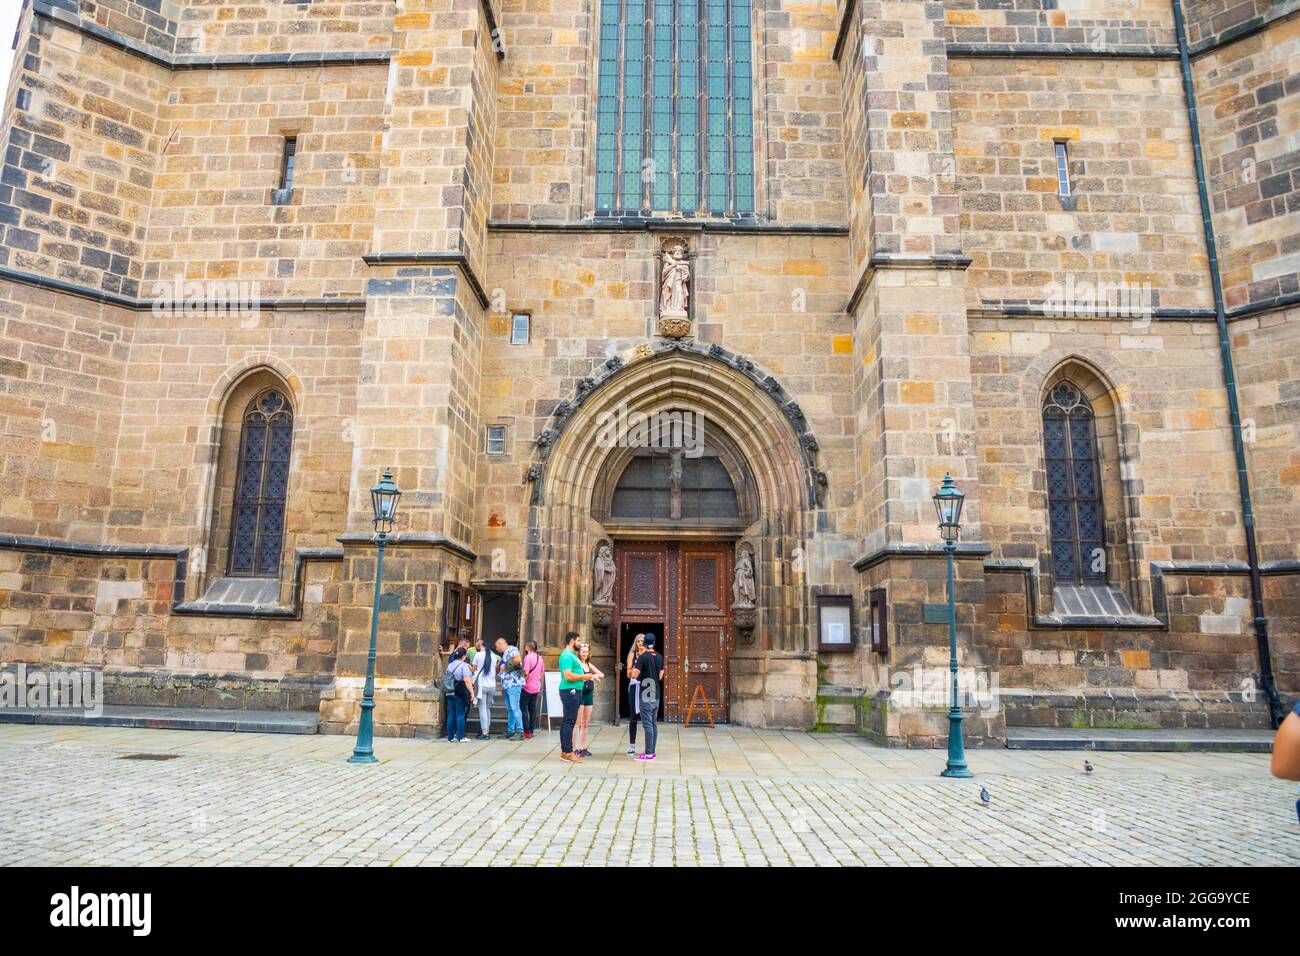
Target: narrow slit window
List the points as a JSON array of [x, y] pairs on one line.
[[519, 328], [281, 195], [496, 440], [1062, 170]]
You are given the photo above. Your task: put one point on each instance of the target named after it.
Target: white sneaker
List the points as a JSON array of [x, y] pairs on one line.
[[631, 751]]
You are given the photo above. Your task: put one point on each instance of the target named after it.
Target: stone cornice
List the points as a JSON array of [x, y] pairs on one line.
[[1030, 51], [891, 552], [180, 556], [195, 61], [1235, 314], [888, 260], [1241, 31], [457, 260], [720, 226], [351, 304], [409, 539], [1027, 51]]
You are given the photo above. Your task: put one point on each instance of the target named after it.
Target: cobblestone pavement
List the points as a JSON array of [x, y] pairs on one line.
[[724, 796]]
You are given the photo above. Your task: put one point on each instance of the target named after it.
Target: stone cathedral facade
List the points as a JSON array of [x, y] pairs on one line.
[[669, 316]]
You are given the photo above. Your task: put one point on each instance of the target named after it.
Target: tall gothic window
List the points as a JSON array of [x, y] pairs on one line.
[[675, 115], [257, 528], [1073, 488]]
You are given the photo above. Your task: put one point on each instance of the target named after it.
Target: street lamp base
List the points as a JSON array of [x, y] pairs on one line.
[[363, 758], [956, 772]]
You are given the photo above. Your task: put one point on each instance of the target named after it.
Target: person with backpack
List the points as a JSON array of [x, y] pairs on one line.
[[530, 699], [458, 688], [486, 666], [648, 672]]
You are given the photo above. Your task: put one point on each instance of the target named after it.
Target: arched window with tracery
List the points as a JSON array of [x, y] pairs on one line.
[[1076, 517], [257, 525], [673, 486]]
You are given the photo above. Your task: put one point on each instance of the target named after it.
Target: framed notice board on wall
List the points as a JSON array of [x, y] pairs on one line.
[[835, 622]]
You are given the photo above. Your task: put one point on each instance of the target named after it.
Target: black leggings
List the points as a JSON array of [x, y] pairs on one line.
[[528, 704], [633, 718]]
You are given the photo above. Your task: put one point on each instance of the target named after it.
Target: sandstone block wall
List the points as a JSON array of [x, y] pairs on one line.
[[1248, 96], [224, 130], [80, 156], [1135, 221]]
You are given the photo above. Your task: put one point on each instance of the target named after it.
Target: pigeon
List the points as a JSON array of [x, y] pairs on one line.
[[984, 796], [1087, 767]]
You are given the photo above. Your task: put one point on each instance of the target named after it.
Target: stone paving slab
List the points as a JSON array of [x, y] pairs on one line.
[[171, 718], [718, 796], [1140, 741]]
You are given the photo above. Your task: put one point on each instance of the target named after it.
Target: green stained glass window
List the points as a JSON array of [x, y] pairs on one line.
[[675, 108]]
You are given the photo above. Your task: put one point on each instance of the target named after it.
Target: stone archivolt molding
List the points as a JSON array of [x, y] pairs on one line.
[[738, 382]]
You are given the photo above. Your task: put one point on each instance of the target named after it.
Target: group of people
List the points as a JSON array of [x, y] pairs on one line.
[[474, 675]]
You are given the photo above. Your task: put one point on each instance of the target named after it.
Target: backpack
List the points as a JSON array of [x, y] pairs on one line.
[[449, 681]]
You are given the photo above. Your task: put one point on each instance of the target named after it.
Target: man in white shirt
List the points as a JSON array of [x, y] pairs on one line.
[[485, 679]]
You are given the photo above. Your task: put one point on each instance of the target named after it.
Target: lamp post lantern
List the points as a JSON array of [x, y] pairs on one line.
[[383, 499], [947, 502]]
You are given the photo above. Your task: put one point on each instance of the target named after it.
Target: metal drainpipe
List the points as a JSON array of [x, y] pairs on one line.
[[1276, 711]]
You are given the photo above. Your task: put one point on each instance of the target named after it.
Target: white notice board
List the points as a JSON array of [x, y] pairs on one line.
[[553, 706]]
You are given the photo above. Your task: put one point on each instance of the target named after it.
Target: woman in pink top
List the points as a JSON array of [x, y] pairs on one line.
[[534, 668]]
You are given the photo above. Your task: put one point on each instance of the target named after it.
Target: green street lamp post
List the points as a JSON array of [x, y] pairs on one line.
[[947, 502], [383, 498]]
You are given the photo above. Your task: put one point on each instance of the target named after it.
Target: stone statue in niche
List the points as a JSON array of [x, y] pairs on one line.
[[742, 588], [602, 588], [674, 290], [675, 279]]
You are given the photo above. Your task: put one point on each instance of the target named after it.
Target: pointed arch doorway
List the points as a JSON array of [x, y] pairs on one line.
[[675, 525]]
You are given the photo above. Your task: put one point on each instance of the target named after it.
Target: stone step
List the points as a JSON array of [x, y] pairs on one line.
[[171, 718], [1140, 741]]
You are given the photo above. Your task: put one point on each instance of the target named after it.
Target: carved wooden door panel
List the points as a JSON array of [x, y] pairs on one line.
[[703, 629], [642, 582]]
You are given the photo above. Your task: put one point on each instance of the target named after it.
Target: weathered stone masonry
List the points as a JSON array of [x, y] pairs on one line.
[[878, 322]]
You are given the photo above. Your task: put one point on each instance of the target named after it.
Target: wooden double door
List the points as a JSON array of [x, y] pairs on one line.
[[682, 591]]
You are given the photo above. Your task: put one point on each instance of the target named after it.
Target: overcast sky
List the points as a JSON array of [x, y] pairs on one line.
[[9, 10]]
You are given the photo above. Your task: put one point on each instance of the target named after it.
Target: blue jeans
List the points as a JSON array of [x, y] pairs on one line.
[[514, 717], [456, 710], [650, 714]]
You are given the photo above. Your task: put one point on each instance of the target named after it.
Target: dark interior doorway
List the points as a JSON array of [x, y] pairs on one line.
[[500, 616], [628, 631]]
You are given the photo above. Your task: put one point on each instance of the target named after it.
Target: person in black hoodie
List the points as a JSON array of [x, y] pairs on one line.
[[648, 672]]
